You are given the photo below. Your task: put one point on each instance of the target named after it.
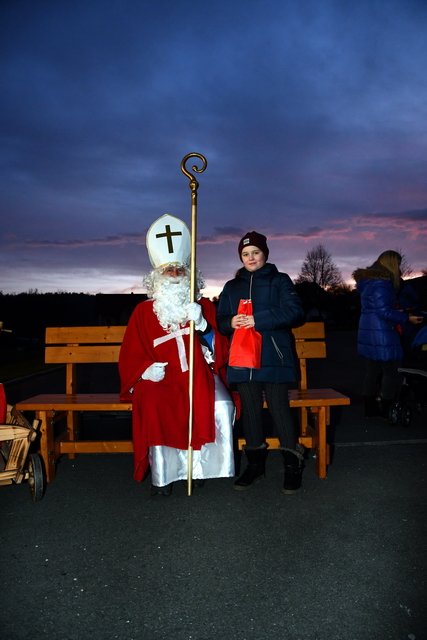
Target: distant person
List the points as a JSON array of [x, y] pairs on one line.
[[154, 371], [276, 309], [409, 301], [380, 325]]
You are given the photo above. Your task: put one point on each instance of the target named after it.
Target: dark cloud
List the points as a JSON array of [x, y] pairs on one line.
[[311, 116]]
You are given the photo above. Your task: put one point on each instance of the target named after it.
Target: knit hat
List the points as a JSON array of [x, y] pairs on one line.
[[254, 239]]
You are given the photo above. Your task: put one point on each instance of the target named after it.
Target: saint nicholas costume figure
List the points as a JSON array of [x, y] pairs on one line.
[[154, 371]]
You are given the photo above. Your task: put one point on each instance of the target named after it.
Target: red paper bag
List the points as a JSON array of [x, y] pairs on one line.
[[245, 349]]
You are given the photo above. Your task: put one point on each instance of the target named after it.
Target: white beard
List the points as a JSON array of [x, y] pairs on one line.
[[171, 297]]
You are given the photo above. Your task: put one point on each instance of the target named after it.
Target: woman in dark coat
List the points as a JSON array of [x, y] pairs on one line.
[[379, 340], [276, 309]]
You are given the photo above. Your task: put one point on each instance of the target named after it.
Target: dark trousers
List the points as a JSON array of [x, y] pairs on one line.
[[382, 378], [252, 398]]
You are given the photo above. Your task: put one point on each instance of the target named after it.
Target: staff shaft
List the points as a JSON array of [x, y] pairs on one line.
[[194, 185], [191, 345]]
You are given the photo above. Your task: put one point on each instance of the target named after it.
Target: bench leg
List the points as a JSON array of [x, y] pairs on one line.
[[47, 443], [303, 421], [72, 430], [322, 449]]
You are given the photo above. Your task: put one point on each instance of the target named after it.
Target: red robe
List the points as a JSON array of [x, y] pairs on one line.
[[160, 413]]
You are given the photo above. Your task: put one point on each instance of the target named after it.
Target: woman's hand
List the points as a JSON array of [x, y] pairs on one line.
[[242, 321], [415, 319]]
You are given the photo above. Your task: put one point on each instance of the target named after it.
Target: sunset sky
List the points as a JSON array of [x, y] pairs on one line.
[[312, 115]]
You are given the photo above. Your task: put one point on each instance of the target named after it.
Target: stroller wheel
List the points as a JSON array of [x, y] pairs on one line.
[[35, 477], [405, 415], [394, 413]]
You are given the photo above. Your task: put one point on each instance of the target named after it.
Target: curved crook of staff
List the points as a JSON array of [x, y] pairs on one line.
[[194, 185]]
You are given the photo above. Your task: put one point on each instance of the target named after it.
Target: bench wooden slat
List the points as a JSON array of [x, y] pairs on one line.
[[310, 349], [85, 335], [310, 331], [78, 354], [96, 446], [77, 402], [317, 398]]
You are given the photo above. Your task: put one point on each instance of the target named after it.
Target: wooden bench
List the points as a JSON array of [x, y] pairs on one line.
[[74, 346]]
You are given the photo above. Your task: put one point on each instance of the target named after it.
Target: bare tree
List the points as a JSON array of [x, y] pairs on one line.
[[318, 267], [405, 268]]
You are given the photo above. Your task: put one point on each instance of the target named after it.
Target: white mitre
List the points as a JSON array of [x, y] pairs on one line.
[[168, 242]]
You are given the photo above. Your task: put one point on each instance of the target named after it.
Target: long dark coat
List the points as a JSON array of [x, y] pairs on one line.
[[277, 309], [378, 337]]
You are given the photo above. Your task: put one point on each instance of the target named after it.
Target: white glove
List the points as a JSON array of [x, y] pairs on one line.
[[155, 372], [194, 312]]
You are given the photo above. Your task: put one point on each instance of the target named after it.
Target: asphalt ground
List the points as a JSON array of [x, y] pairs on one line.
[[344, 558]]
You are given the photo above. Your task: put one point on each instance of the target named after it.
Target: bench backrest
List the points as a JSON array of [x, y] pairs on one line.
[[77, 345], [309, 344]]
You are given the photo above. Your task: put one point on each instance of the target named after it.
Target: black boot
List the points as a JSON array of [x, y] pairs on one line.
[[294, 465], [372, 407], [255, 469], [161, 491]]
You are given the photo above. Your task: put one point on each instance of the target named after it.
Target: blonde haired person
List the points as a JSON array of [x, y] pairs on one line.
[[378, 339]]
